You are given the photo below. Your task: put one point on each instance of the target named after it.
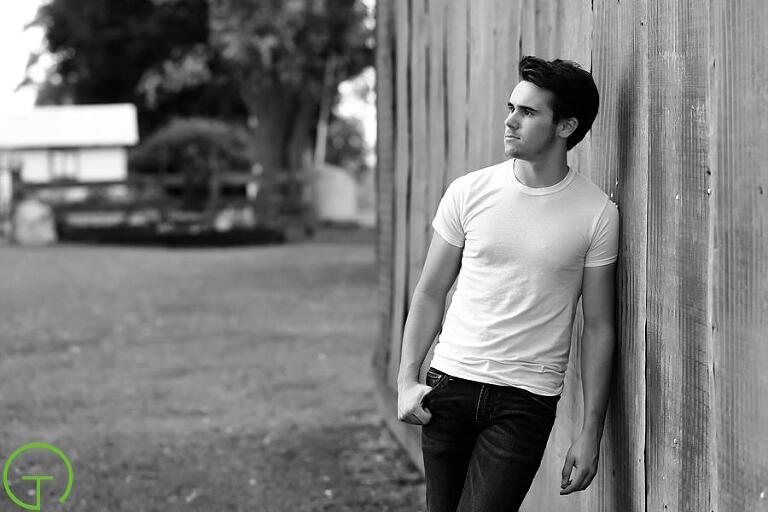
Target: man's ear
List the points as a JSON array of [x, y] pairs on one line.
[[565, 127]]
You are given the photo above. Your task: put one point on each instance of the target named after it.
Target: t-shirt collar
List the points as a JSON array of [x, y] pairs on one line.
[[540, 191]]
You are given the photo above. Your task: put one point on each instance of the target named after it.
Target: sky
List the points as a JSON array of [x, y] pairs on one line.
[[15, 46]]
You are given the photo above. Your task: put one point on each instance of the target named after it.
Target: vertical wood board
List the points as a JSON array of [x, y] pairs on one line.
[[740, 252], [456, 86], [480, 77], [678, 351], [572, 40], [545, 14], [385, 184], [438, 107], [527, 43], [402, 181], [420, 140], [619, 143]]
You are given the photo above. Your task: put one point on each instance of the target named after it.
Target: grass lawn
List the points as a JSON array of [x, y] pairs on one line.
[[198, 379]]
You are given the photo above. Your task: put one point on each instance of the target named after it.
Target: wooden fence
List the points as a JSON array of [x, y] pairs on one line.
[[681, 145]]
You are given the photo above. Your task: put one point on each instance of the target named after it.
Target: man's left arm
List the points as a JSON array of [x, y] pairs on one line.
[[597, 345]]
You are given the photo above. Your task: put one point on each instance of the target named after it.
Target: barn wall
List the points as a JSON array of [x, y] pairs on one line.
[[679, 145]]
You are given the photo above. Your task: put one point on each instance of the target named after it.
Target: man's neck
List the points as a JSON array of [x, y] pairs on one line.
[[541, 173]]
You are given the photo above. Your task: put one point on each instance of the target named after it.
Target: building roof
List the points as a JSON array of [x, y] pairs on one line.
[[65, 126]]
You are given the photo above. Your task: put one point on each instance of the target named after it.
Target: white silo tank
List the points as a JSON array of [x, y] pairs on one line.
[[335, 191]]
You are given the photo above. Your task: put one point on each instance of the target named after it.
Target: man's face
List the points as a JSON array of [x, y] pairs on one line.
[[528, 129]]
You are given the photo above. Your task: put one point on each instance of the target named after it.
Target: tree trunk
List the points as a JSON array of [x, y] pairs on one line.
[[282, 131], [271, 131], [301, 140]]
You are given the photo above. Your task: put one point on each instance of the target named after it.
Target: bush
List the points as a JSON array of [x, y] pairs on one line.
[[193, 146]]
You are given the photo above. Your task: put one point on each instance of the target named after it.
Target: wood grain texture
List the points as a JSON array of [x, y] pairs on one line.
[[418, 224], [678, 431], [402, 182], [739, 308], [619, 144], [573, 40], [385, 182], [438, 108], [480, 119], [527, 43], [457, 73], [545, 18]]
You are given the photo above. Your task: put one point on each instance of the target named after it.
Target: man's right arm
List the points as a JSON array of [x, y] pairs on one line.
[[422, 325]]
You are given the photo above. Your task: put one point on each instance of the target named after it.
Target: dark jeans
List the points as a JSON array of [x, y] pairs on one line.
[[483, 445]]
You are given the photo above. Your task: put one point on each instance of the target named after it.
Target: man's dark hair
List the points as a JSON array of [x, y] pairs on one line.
[[574, 90]]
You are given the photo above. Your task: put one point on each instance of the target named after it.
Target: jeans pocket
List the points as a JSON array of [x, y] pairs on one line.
[[436, 379]]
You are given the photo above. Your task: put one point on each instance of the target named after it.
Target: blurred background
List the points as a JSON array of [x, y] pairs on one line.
[[139, 119], [187, 220]]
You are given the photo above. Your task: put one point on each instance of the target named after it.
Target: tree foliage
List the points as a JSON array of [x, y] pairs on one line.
[[288, 56], [289, 43], [108, 50], [270, 63], [187, 146]]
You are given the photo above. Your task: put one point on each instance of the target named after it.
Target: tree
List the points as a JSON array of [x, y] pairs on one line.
[[274, 63], [288, 57], [114, 51]]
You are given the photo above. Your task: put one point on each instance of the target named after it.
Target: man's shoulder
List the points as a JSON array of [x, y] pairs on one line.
[[588, 190], [479, 177]]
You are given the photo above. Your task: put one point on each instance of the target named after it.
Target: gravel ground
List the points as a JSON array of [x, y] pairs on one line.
[[198, 379]]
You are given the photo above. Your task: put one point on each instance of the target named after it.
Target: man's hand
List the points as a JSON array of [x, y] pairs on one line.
[[409, 399], [580, 464]]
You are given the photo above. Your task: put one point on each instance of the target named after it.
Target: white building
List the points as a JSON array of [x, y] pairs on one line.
[[85, 143]]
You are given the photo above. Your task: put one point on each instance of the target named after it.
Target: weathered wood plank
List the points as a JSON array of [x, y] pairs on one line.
[[456, 86], [481, 65], [385, 182], [544, 36], [419, 227], [739, 308], [572, 40], [527, 27], [678, 355], [402, 182], [506, 48], [619, 156], [438, 107]]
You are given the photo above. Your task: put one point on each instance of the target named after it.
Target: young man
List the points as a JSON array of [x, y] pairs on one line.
[[526, 238]]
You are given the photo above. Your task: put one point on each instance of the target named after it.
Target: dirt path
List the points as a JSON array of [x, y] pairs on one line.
[[199, 380]]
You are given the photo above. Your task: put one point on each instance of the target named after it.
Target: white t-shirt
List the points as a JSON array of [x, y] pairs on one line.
[[525, 249]]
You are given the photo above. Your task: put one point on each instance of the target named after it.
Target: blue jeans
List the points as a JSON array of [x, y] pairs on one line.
[[483, 445]]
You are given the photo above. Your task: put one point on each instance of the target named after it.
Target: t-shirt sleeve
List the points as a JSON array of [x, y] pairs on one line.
[[604, 248], [448, 219]]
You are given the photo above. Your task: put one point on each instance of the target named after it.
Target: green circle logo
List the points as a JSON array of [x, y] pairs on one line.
[[37, 478]]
